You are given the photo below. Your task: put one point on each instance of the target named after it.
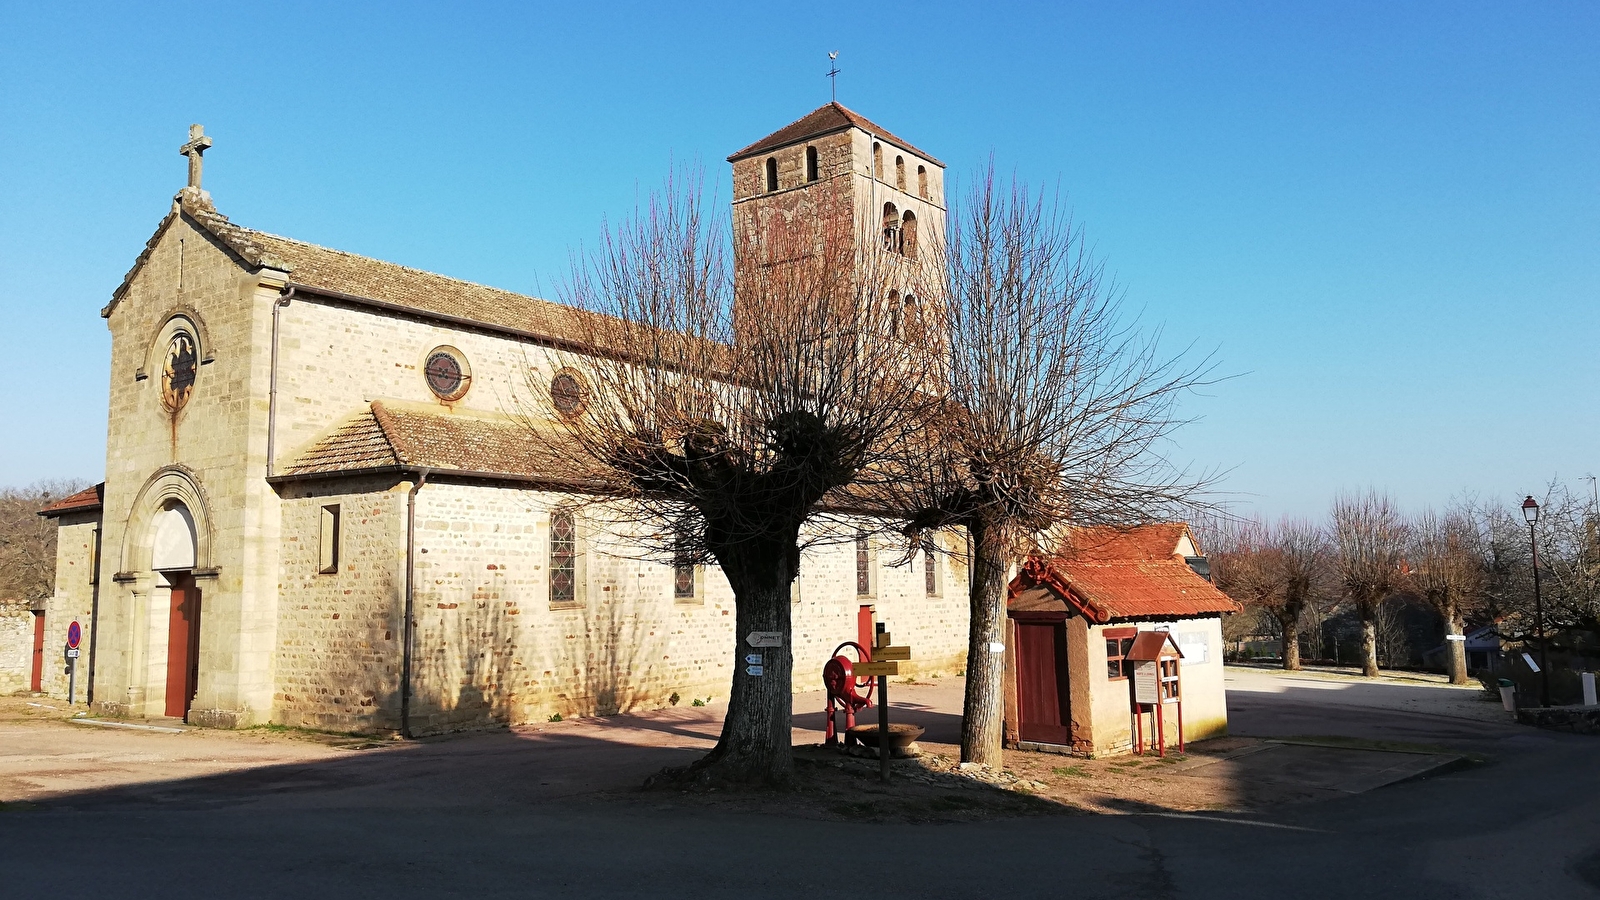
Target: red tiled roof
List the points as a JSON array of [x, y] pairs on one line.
[[1105, 575], [825, 120], [82, 501]]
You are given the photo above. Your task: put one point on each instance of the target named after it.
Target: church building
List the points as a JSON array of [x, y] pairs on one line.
[[319, 510]]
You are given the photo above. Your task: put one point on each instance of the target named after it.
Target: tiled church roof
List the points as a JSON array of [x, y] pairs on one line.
[[825, 120], [314, 267], [393, 434], [373, 279]]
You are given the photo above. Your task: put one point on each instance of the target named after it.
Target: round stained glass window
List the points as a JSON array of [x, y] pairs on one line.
[[447, 373], [178, 371], [567, 394]]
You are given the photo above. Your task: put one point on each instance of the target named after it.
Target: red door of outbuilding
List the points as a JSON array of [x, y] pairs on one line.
[[36, 681], [183, 645], [1042, 695]]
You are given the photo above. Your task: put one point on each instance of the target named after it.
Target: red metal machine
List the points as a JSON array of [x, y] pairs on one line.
[[845, 690]]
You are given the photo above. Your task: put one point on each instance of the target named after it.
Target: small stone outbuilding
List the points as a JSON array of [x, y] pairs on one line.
[[1072, 621]]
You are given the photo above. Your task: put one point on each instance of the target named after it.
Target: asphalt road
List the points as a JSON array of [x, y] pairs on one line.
[[1524, 824]]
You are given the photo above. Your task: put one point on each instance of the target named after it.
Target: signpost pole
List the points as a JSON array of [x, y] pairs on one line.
[[72, 680], [883, 726]]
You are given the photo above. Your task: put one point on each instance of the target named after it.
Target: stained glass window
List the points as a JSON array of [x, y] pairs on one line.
[[446, 373], [566, 394], [178, 371], [863, 566], [563, 557], [930, 568]]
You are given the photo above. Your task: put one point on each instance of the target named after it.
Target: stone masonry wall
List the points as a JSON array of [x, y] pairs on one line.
[[215, 442], [16, 646], [73, 601], [491, 648], [340, 633]]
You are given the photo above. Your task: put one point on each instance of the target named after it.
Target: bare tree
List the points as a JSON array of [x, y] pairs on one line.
[[719, 399], [27, 541], [1369, 538], [1280, 569], [1055, 410], [1448, 573]]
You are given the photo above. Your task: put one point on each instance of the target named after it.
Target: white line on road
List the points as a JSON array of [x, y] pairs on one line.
[[1257, 823]]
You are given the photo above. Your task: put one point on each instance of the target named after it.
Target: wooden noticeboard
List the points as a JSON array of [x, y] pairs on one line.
[[1147, 682]]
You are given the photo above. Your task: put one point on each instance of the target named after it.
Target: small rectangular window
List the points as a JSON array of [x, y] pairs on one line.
[[328, 547], [930, 568], [1119, 643]]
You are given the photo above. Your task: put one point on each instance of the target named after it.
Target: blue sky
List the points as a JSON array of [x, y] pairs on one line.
[[1384, 217]]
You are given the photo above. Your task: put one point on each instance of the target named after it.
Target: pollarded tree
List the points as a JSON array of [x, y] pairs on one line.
[[1054, 410], [1280, 569], [720, 398], [1369, 542], [1448, 572]]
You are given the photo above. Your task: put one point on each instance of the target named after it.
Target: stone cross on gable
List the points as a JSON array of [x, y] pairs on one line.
[[198, 142]]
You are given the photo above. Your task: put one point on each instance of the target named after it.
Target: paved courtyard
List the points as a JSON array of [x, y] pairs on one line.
[[548, 811]]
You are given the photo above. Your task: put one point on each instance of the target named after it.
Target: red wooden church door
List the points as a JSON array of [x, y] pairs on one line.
[[183, 646], [1042, 695]]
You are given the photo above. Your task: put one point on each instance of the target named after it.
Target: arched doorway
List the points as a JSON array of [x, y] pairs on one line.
[[172, 557]]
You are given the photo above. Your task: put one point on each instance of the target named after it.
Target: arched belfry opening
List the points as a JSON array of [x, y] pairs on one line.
[[908, 234], [812, 172], [891, 228], [772, 173]]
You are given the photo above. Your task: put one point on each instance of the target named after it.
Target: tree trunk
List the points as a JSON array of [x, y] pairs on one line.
[[983, 709], [1369, 645], [1457, 650], [1291, 643], [756, 746]]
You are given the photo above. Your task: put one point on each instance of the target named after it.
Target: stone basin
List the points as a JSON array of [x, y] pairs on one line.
[[902, 738]]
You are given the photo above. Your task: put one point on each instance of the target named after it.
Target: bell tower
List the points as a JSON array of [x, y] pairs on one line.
[[836, 169]]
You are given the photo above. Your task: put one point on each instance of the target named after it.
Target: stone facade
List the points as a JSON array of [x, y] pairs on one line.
[[300, 580]]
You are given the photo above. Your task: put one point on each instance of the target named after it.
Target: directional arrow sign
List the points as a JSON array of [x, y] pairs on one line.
[[871, 669], [764, 639], [880, 654]]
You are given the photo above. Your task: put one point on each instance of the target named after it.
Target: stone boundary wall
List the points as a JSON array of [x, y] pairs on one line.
[[16, 646], [1576, 719]]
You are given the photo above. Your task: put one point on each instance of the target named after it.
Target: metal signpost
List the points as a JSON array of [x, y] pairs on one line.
[[74, 638]]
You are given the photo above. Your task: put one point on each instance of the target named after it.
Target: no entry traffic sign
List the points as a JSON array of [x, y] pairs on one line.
[[74, 635]]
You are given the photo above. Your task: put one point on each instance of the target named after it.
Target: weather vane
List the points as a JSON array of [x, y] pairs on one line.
[[833, 74]]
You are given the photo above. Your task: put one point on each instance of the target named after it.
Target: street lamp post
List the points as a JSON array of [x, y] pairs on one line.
[[1530, 512]]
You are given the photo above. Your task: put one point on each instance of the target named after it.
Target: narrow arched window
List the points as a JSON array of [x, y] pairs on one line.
[[811, 164], [772, 173], [900, 172], [891, 228], [895, 324], [910, 316], [922, 182], [908, 234], [563, 557], [877, 161]]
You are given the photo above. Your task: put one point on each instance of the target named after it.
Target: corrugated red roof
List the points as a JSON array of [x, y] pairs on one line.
[[82, 501], [1104, 575], [825, 120]]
